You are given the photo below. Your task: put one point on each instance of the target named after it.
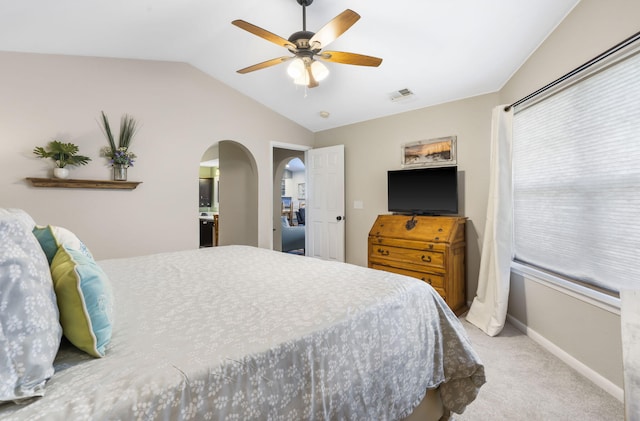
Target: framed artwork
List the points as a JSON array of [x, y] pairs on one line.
[[430, 153], [301, 191]]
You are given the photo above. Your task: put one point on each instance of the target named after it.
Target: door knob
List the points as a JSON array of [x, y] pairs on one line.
[[338, 218]]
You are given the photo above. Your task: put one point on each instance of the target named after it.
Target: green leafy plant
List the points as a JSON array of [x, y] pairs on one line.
[[120, 154], [63, 154]]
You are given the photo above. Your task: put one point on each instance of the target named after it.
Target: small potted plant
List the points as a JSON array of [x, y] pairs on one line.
[[63, 154], [120, 157]]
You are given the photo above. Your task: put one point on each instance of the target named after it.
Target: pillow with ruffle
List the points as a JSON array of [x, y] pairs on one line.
[[85, 300], [30, 331], [52, 237]]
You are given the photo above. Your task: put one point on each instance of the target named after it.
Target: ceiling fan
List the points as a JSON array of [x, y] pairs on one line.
[[307, 46]]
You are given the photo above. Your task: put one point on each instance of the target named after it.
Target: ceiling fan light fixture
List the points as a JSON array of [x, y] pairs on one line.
[[296, 69], [319, 70], [298, 72]]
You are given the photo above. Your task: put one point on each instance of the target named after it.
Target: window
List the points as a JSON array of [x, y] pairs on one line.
[[576, 177]]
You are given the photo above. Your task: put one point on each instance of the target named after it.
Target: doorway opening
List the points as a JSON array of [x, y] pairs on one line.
[[209, 197], [228, 196], [289, 198]]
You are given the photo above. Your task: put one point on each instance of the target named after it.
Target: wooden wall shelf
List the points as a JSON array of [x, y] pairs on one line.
[[69, 183]]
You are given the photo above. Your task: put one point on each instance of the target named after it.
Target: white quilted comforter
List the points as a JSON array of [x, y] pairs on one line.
[[241, 333]]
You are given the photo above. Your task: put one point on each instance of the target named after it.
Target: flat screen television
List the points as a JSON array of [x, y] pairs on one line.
[[423, 191]]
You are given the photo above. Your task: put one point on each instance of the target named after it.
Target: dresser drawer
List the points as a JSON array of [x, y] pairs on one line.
[[435, 280], [431, 249], [415, 257]]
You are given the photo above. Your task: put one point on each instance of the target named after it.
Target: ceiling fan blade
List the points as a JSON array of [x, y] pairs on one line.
[[336, 27], [264, 64], [350, 58], [263, 33]]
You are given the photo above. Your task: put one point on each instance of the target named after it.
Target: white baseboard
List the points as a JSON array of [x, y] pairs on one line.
[[568, 359]]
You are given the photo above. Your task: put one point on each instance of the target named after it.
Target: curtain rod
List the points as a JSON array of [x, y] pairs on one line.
[[609, 52]]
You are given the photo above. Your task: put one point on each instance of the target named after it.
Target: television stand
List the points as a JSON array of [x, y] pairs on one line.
[[430, 248]]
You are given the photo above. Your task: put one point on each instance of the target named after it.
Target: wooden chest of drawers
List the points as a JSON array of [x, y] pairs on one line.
[[431, 248]]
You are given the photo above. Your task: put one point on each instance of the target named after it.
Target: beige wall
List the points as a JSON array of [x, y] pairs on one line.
[[586, 332], [182, 113], [373, 147], [238, 216]]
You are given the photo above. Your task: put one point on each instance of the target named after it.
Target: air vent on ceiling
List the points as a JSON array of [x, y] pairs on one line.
[[401, 95]]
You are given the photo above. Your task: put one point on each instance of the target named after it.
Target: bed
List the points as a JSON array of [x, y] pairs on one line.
[[220, 334]]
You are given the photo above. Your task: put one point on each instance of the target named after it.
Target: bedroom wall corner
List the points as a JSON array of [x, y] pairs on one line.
[[374, 147]]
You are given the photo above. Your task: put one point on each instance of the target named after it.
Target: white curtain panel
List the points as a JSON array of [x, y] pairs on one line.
[[630, 320], [489, 308]]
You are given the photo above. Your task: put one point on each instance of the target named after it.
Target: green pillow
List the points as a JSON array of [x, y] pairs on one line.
[[85, 300]]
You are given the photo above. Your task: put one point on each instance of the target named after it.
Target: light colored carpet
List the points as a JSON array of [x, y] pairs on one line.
[[526, 382]]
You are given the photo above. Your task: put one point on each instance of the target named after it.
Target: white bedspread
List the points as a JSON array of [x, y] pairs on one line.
[[241, 333]]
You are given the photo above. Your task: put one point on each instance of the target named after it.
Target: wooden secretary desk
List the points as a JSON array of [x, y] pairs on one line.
[[430, 248]]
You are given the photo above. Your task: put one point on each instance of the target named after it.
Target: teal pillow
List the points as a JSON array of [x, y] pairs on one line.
[[85, 300], [52, 237]]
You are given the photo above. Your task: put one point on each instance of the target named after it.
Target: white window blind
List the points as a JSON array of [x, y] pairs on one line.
[[576, 178]]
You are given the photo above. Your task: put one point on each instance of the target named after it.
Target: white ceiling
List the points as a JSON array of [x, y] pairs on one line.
[[441, 50]]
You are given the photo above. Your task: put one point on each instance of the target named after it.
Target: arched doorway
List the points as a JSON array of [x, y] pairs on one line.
[[236, 193], [288, 198]]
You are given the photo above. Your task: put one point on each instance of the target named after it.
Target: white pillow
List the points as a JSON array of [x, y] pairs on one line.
[[52, 237], [30, 330]]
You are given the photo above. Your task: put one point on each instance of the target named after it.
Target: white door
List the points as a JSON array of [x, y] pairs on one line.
[[324, 217]]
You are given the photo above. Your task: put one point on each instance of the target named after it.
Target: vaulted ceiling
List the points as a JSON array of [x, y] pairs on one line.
[[439, 50]]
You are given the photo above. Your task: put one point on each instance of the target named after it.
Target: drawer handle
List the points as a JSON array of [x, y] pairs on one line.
[[383, 252], [426, 258], [428, 280]]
